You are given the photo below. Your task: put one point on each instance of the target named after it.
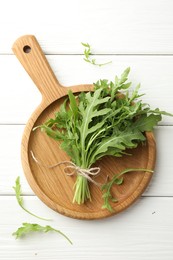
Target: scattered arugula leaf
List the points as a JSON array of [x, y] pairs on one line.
[[18, 192], [117, 179], [29, 227], [87, 54], [106, 121]]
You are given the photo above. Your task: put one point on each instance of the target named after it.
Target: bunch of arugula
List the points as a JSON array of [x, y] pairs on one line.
[[106, 121]]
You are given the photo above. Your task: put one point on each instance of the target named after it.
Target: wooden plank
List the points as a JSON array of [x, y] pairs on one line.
[[20, 97], [10, 167], [144, 231], [111, 26]]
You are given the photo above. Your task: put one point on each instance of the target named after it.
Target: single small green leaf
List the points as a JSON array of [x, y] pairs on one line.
[[29, 227], [108, 207], [126, 86], [146, 123], [85, 45], [95, 127], [119, 181], [124, 75], [87, 53], [18, 192], [55, 134], [158, 111], [73, 104], [17, 189], [114, 200], [86, 59]]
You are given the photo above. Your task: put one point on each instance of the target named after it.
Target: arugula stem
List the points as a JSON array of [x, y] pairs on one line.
[[102, 64], [87, 54], [82, 192], [130, 170], [126, 171], [115, 180], [33, 214], [61, 233], [18, 192], [92, 61]]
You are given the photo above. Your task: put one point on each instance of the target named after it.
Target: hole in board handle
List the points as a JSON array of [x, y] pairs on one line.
[[27, 49]]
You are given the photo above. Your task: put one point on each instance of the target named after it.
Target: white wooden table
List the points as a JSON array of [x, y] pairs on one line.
[[131, 33]]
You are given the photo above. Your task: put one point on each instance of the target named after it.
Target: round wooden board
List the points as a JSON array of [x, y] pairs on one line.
[[53, 186]]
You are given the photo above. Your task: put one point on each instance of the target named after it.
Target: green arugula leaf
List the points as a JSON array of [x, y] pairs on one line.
[[105, 121], [29, 227], [85, 45], [73, 104], [158, 111], [124, 76], [146, 123], [118, 180], [122, 141], [89, 113], [18, 192], [87, 53]]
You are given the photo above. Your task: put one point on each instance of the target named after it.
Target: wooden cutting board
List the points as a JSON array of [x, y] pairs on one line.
[[52, 186]]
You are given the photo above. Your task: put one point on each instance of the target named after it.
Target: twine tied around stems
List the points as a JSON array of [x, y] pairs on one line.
[[87, 173]]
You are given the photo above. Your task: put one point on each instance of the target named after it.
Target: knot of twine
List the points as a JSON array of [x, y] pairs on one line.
[[87, 173]]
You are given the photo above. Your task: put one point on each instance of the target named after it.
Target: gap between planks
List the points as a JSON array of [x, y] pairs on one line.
[[33, 195], [100, 54]]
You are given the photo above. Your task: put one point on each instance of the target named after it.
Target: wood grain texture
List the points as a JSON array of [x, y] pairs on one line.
[[10, 166], [56, 190]]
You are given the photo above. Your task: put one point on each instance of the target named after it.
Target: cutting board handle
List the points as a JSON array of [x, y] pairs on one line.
[[32, 58]]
